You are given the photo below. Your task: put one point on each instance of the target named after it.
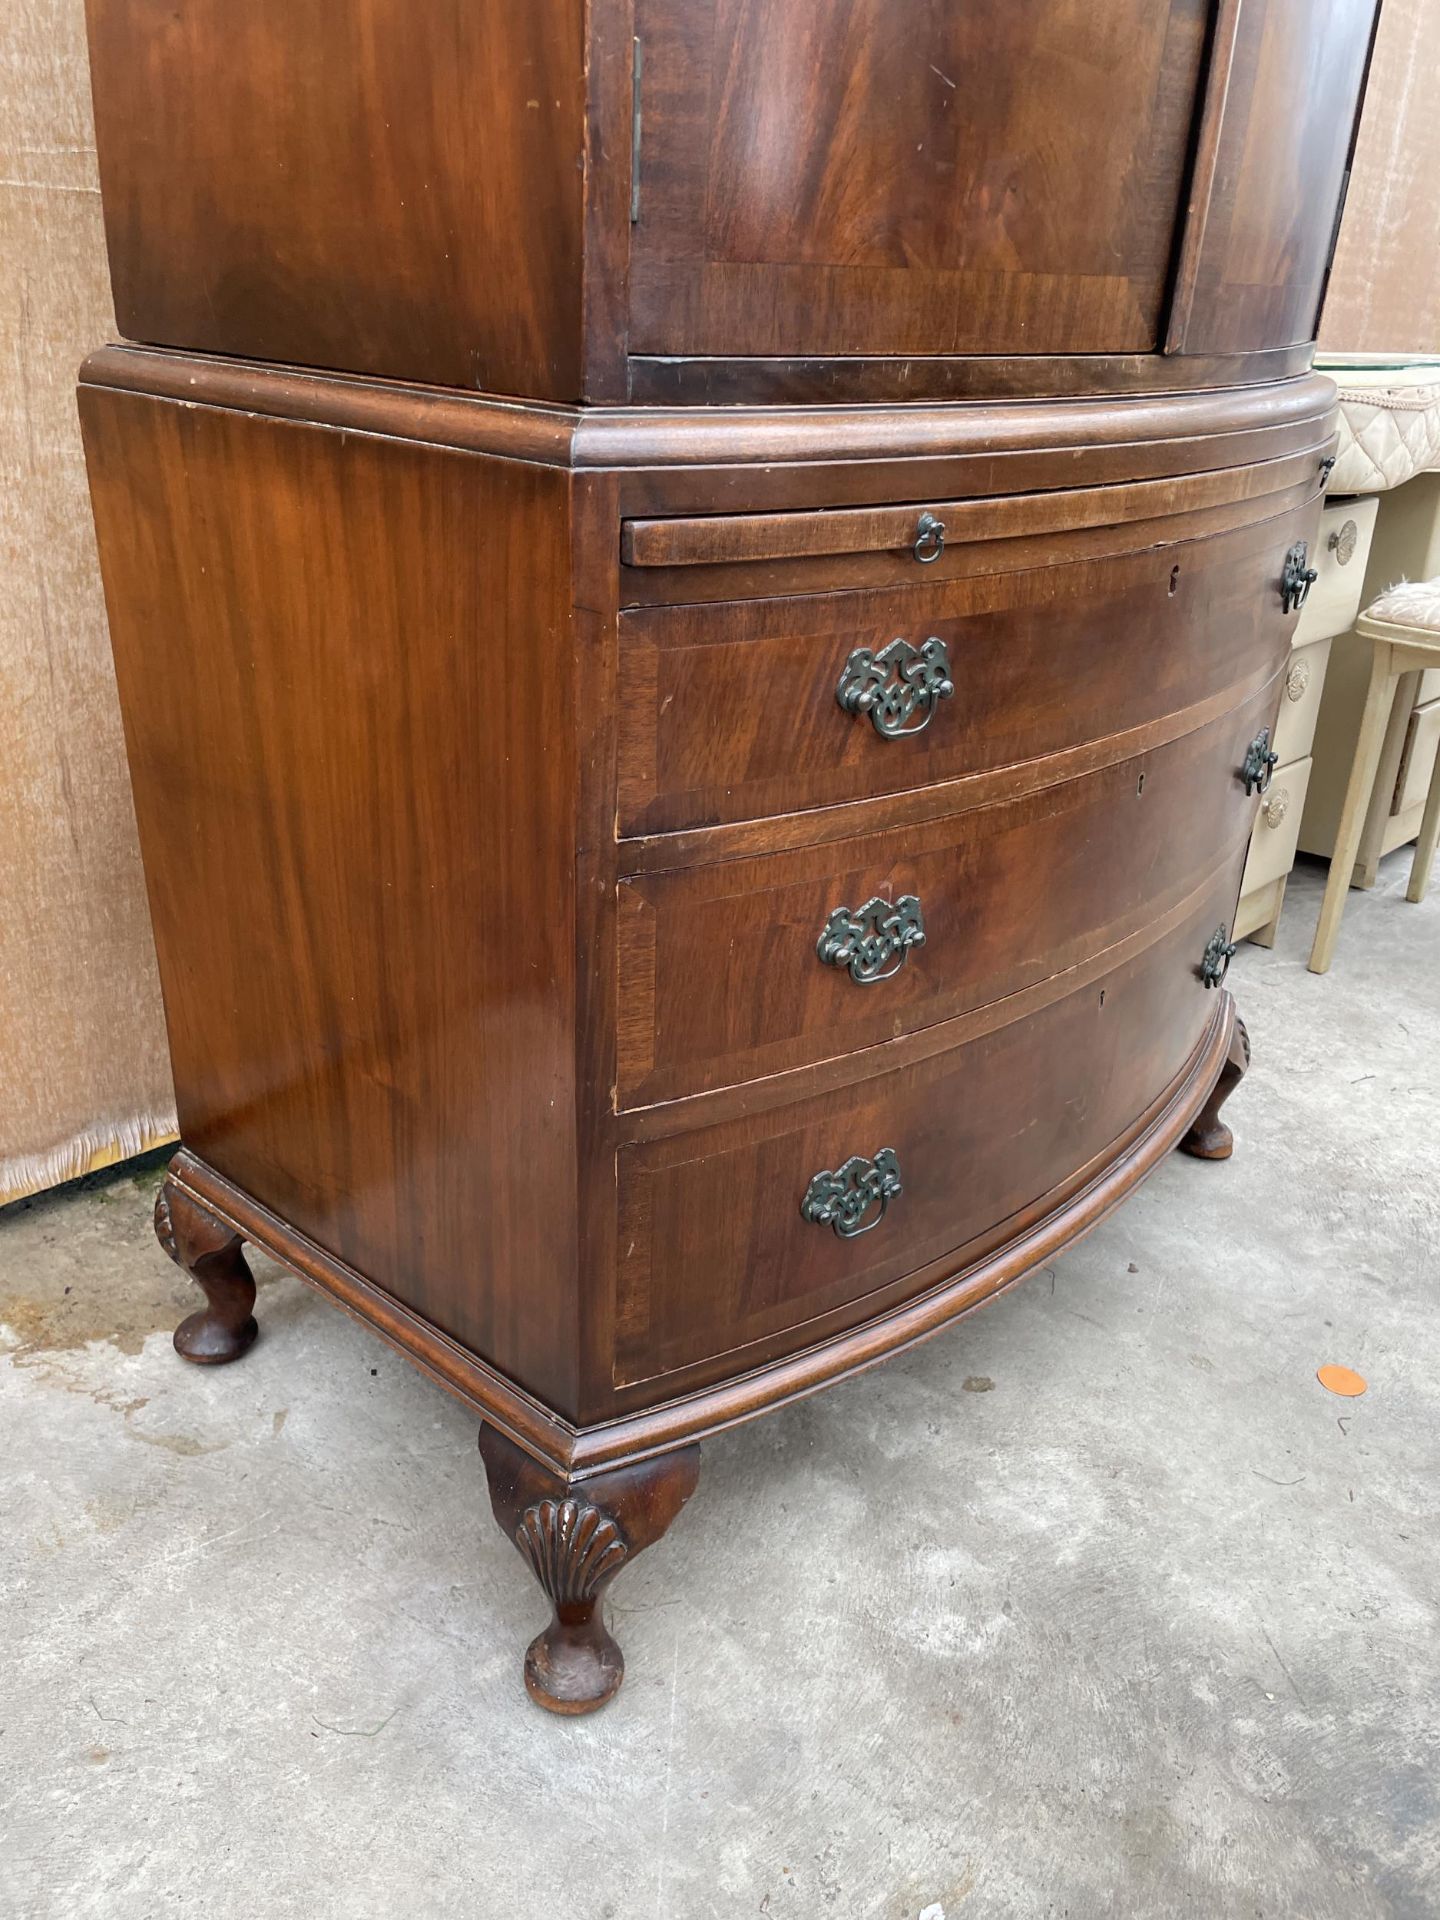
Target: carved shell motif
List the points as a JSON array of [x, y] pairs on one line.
[[572, 1547]]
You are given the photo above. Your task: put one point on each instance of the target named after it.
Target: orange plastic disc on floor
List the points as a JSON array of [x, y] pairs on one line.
[[1341, 1380]]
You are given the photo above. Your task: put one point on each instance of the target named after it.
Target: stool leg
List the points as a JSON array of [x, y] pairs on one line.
[[1373, 723], [1425, 846]]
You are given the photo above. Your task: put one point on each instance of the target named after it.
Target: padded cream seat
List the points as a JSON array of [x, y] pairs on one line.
[[1403, 630]]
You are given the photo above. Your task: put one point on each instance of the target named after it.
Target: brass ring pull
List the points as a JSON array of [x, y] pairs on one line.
[[929, 539]]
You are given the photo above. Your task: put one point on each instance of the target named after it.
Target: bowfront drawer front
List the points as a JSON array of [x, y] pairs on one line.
[[1300, 700], [747, 1234], [1340, 552], [738, 556], [743, 968], [1277, 826], [736, 712]]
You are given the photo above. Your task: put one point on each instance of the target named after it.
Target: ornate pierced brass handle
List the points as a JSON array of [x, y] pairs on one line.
[[1215, 962], [855, 1197], [892, 686], [1297, 578], [875, 940], [1261, 761]]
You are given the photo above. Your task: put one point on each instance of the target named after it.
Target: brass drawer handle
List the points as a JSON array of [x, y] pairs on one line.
[[874, 941], [892, 686], [1215, 962], [1297, 578], [1261, 761], [1343, 542], [1276, 807], [929, 539], [846, 1198]]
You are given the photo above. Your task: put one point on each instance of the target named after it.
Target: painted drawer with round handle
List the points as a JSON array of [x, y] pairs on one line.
[[750, 1233], [735, 969], [1338, 554], [1277, 827], [1304, 683]]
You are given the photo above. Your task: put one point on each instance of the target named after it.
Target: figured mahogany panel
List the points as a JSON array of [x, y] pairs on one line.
[[373, 186], [359, 844], [716, 1253], [1274, 156], [722, 978], [730, 711], [868, 178]]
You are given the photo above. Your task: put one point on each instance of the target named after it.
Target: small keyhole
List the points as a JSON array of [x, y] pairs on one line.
[[1140, 784], [1102, 996], [1174, 580]]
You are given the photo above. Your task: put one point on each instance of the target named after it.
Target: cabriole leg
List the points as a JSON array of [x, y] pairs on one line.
[[575, 1536], [1209, 1138], [212, 1254]]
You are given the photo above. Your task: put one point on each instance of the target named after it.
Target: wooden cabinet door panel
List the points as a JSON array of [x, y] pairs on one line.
[[997, 175], [1292, 77]]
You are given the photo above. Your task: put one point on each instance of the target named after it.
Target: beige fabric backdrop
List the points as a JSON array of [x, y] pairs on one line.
[[84, 1074], [1384, 292]]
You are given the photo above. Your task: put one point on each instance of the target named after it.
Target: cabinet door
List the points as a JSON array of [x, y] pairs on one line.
[[1282, 106], [941, 176]]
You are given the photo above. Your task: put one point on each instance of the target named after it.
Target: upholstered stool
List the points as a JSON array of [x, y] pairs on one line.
[[1403, 628]]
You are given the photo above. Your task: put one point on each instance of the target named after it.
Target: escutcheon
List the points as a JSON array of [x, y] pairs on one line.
[[875, 940], [855, 1197], [892, 686]]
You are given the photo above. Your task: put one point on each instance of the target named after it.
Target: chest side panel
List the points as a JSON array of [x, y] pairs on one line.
[[344, 668]]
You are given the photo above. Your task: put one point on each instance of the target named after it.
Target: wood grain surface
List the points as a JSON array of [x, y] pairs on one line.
[[345, 671]]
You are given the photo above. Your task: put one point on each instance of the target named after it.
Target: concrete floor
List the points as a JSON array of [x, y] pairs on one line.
[[1097, 1605]]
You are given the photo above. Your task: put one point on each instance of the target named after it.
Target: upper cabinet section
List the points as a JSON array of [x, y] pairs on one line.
[[739, 200], [376, 186], [880, 178], [1270, 176]]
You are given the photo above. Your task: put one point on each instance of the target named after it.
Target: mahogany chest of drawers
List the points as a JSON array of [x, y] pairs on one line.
[[698, 650]]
